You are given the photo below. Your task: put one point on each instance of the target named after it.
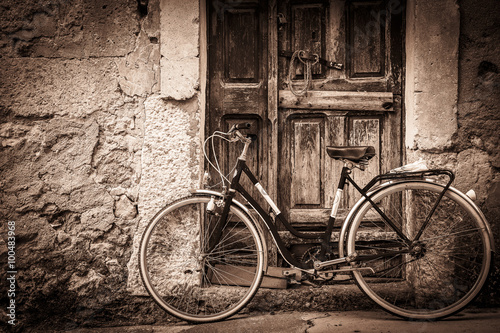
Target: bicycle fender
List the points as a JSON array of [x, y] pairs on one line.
[[479, 212], [219, 194], [247, 211], [347, 222]]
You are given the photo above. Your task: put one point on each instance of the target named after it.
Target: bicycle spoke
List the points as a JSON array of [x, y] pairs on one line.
[[451, 234]]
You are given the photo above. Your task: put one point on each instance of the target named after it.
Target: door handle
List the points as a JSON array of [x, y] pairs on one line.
[[387, 105]]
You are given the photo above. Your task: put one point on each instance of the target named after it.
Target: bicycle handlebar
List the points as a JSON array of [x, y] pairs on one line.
[[236, 134], [243, 126], [239, 126]]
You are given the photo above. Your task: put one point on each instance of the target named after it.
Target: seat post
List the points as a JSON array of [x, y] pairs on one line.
[[346, 170], [340, 188]]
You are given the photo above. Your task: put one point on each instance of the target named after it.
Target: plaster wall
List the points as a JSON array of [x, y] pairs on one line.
[[171, 152]]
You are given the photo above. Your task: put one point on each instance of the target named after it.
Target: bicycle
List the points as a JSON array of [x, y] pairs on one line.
[[416, 246]]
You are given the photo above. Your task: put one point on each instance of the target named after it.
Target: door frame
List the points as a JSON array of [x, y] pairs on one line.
[[442, 49], [272, 100]]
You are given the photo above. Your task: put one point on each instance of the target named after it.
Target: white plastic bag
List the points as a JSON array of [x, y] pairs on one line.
[[419, 165]]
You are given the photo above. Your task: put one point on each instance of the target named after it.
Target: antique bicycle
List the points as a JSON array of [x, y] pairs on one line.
[[414, 244]]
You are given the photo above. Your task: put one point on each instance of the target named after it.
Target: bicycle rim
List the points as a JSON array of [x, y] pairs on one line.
[[189, 274], [439, 274]]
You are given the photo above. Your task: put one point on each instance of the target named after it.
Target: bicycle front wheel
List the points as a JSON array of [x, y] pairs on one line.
[[194, 272], [427, 278]]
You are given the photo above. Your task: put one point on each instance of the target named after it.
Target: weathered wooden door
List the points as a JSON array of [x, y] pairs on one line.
[[358, 105], [238, 79]]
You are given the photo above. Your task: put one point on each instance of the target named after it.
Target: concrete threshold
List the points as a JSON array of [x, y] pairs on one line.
[[338, 297]]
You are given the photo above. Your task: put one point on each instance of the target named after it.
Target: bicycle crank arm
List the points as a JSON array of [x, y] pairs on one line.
[[322, 264]]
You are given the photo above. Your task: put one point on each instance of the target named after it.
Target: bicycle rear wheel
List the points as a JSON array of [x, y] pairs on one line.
[[194, 276], [431, 278]]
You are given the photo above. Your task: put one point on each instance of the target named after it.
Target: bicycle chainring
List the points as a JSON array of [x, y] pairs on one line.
[[311, 255]]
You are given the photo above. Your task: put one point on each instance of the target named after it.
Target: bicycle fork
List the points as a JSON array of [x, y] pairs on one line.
[[228, 195], [221, 219]]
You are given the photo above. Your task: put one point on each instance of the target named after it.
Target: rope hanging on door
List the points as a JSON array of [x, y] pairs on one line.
[[301, 55]]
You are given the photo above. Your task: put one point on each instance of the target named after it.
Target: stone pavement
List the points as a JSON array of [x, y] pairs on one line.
[[376, 321]]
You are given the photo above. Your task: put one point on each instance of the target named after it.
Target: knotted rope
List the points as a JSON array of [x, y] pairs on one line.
[[307, 72]]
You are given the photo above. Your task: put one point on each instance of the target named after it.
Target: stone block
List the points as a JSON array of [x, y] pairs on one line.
[[180, 63], [125, 208], [179, 21], [474, 172], [44, 87], [433, 31], [138, 70], [84, 285], [180, 78], [70, 29], [98, 218]]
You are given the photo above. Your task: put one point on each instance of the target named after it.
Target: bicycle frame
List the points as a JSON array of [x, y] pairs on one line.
[[323, 237]]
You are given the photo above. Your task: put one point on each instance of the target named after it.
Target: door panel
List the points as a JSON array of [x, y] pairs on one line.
[[364, 131], [241, 45], [358, 105], [338, 100], [366, 48], [237, 82], [306, 162], [308, 31]]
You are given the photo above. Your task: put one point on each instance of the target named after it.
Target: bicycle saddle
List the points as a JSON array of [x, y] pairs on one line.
[[354, 154]]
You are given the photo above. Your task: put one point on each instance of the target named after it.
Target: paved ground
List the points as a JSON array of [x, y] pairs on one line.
[[473, 320]]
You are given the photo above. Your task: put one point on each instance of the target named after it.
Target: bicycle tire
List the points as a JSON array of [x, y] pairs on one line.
[[442, 272], [189, 283]]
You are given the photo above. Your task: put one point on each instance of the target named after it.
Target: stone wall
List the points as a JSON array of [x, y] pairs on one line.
[[453, 98], [76, 78], [477, 140]]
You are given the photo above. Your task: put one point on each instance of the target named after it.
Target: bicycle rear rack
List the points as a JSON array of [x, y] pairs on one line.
[[412, 175], [418, 175]]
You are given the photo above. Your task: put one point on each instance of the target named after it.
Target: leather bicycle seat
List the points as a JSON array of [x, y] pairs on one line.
[[354, 154]]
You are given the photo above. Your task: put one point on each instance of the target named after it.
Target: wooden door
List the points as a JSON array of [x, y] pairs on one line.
[[238, 80], [358, 105]]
